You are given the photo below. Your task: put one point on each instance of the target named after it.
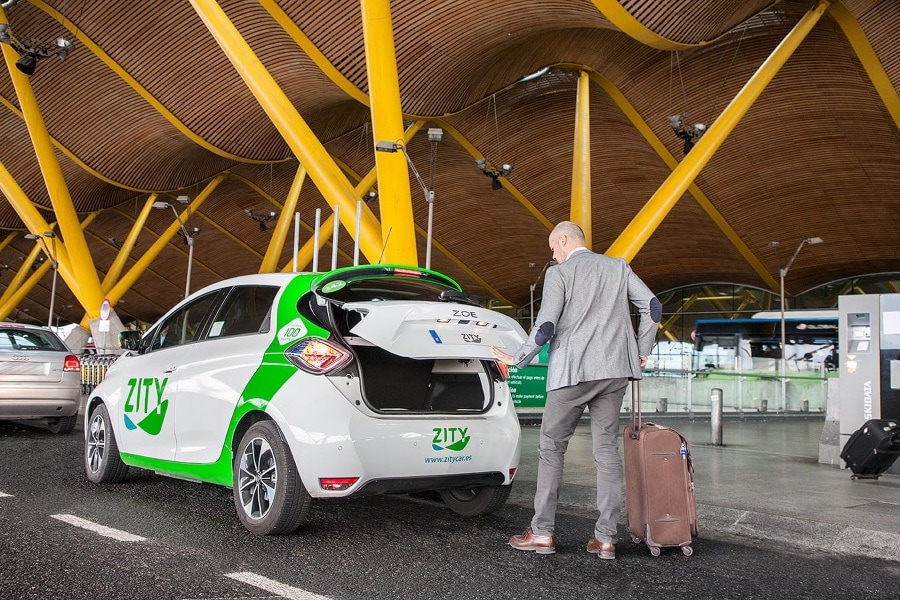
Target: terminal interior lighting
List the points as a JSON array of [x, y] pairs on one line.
[[33, 49], [187, 236], [261, 219], [387, 146], [689, 133], [52, 254], [494, 173], [782, 272]]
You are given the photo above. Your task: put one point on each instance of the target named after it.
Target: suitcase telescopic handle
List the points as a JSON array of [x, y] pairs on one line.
[[636, 420]]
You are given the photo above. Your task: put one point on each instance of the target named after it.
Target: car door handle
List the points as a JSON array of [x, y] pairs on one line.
[[170, 369]]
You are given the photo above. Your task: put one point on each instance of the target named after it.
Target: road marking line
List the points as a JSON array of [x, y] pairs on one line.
[[2, 495], [116, 534], [274, 587]]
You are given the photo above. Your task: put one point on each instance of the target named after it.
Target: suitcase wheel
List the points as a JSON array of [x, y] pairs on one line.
[[654, 550], [635, 539], [687, 550]]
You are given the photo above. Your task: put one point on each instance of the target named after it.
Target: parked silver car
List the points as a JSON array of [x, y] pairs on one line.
[[40, 378]]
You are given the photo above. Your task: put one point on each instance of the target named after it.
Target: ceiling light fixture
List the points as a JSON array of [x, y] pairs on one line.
[[33, 49], [689, 133], [494, 173], [261, 219], [187, 236]]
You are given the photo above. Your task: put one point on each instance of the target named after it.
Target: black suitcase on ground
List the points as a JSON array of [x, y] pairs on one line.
[[872, 448]]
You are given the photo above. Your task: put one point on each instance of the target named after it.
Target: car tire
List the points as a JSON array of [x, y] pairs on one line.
[[269, 496], [471, 502], [63, 424], [102, 462]]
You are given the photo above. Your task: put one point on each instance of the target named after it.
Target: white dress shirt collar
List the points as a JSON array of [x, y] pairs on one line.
[[574, 250]]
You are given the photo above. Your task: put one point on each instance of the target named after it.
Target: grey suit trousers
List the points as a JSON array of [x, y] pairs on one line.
[[561, 415]]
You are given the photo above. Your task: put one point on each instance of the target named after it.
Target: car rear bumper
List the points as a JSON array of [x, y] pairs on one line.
[[38, 403]]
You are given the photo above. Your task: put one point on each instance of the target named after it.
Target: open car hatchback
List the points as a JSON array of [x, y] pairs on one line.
[[287, 387]]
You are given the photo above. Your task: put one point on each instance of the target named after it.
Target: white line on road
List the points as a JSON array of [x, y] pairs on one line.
[[274, 587], [116, 534], [2, 495]]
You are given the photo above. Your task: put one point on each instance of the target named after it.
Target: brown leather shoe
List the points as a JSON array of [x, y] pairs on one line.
[[541, 544], [606, 550]]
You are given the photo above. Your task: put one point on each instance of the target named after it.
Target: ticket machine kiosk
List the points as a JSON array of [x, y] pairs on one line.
[[869, 342]]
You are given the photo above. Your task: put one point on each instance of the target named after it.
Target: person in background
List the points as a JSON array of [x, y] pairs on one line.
[[594, 352]]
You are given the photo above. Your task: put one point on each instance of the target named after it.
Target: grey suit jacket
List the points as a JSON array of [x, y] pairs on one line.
[[585, 313]]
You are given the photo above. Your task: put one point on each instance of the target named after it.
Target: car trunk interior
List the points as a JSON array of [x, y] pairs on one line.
[[395, 383]]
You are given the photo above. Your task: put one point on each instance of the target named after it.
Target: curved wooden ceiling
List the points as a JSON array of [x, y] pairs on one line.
[[149, 103]]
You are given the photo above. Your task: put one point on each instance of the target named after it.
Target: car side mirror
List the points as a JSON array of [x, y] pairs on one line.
[[130, 339]]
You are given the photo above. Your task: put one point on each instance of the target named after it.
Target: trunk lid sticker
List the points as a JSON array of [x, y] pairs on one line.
[[454, 438]]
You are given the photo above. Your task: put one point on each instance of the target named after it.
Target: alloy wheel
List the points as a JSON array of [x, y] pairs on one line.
[[96, 442], [258, 478]]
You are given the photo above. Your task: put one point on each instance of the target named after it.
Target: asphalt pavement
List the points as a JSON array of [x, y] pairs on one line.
[[763, 483], [159, 538]]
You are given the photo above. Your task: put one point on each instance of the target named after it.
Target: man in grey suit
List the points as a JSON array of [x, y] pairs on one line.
[[594, 351]]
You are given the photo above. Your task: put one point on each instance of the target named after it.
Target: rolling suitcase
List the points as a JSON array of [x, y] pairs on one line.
[[872, 448], [659, 484]]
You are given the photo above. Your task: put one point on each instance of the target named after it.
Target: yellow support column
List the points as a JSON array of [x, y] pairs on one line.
[[118, 265], [694, 190], [9, 302], [7, 240], [655, 210], [874, 69], [84, 275], [22, 283], [300, 138], [36, 224], [19, 279], [476, 154], [581, 160], [283, 226], [398, 234], [124, 284]]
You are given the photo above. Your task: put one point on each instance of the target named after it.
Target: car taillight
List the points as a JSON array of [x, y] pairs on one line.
[[337, 483], [504, 370], [71, 363], [512, 473], [318, 356]]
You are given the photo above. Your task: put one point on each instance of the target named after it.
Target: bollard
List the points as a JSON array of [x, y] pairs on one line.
[[662, 405], [763, 405], [805, 406], [715, 418]]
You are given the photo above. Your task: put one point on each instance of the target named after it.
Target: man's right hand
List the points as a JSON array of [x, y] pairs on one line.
[[502, 356]]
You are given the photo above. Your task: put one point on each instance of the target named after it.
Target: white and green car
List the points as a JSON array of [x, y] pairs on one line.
[[286, 387]]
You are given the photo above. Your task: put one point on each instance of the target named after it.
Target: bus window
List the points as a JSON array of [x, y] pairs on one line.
[[755, 344]]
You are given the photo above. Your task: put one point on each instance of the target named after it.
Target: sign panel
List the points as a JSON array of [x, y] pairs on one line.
[[105, 309], [528, 385]]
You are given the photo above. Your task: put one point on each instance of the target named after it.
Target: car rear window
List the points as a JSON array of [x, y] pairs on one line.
[[12, 339], [365, 289]]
